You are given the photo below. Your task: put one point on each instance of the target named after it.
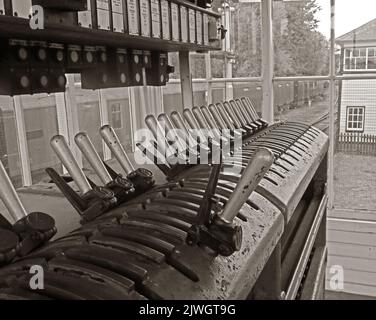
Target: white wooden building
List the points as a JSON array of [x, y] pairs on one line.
[[357, 105]]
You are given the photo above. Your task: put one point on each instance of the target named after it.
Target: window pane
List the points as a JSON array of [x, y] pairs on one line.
[[172, 98], [89, 119], [300, 37], [197, 61], [9, 154], [40, 124], [363, 52], [245, 41], [218, 94], [298, 101], [119, 115], [347, 63], [371, 63], [361, 63]]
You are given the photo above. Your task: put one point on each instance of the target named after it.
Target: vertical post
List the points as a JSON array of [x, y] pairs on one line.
[[72, 117], [267, 60], [158, 99], [208, 71], [227, 23], [144, 96], [22, 142], [161, 98], [103, 115], [133, 113], [186, 80], [62, 121], [331, 108]]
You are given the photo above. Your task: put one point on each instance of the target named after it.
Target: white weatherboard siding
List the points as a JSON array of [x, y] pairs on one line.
[[352, 245], [359, 93]]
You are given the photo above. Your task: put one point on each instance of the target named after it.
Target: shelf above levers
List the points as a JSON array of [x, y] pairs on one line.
[[18, 28]]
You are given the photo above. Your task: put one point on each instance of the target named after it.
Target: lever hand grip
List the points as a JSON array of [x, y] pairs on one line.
[[10, 197], [88, 150], [60, 146], [257, 167], [218, 118], [161, 139], [169, 128], [111, 139], [194, 124], [203, 123]]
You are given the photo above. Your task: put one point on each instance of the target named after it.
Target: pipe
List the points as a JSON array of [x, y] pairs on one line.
[[60, 146], [10, 197], [88, 150], [111, 139], [257, 167]]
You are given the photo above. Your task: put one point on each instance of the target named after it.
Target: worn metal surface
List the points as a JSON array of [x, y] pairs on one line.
[[139, 250]]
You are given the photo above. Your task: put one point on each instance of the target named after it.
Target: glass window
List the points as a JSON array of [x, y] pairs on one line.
[[300, 39], [360, 59], [245, 39], [120, 119], [355, 119], [371, 63], [89, 118], [40, 124], [116, 120], [9, 154]]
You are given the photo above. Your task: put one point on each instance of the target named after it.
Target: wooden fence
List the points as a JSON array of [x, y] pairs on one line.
[[357, 143]]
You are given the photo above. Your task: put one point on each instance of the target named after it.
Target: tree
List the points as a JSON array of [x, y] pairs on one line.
[[299, 48], [305, 47]]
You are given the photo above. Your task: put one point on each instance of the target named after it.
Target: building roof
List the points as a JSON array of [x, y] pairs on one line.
[[366, 32]]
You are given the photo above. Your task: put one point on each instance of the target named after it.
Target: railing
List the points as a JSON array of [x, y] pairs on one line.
[[357, 143]]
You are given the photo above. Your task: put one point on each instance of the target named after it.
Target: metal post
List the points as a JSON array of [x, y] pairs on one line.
[[331, 108], [186, 80], [133, 115], [22, 142], [208, 71], [62, 121], [103, 115], [227, 22], [72, 117], [267, 60]]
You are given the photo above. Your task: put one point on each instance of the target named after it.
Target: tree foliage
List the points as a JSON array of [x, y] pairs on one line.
[[299, 48], [305, 47]]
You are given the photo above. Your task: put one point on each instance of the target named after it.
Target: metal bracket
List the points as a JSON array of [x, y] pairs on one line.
[[92, 204], [208, 231], [25, 235]]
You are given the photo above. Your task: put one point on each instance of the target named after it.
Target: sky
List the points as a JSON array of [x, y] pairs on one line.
[[350, 14]]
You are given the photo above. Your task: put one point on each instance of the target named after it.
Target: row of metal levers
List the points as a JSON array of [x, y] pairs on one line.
[[187, 238]]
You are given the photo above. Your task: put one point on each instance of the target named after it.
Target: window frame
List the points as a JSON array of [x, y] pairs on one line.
[[111, 104], [348, 109], [349, 56]]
